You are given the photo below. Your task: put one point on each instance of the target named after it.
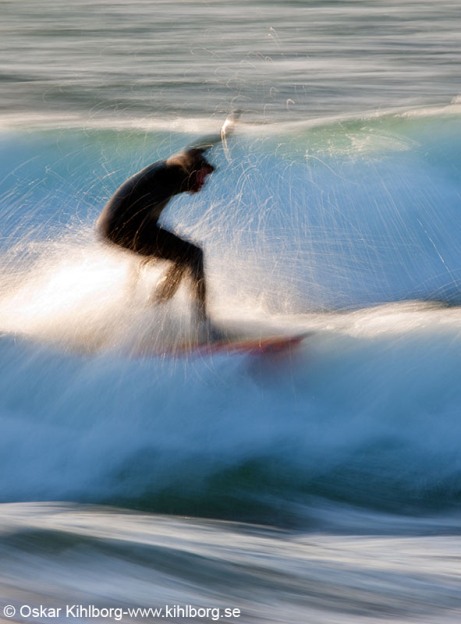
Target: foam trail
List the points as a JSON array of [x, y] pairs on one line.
[[87, 298]]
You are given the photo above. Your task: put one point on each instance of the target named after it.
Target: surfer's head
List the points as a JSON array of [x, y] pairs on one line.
[[195, 166]]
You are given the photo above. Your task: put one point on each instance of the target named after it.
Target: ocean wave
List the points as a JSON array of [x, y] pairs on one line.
[[369, 422], [308, 231]]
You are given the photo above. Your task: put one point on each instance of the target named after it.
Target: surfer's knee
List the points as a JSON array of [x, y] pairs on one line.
[[195, 259]]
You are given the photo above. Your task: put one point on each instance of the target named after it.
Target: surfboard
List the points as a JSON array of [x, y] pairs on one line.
[[263, 346]]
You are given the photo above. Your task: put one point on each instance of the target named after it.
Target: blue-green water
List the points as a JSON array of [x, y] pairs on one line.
[[320, 487]]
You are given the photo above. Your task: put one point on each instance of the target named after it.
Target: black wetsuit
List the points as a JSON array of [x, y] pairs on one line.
[[130, 220]]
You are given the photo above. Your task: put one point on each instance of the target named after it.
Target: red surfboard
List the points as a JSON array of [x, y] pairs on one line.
[[264, 345], [261, 345]]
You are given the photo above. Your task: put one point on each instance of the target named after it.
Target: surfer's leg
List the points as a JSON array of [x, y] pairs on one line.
[[195, 263], [185, 257], [169, 284]]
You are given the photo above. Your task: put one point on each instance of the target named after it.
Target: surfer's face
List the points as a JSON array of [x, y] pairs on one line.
[[198, 178]]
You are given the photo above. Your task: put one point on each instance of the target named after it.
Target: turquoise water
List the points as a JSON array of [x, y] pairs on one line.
[[319, 487]]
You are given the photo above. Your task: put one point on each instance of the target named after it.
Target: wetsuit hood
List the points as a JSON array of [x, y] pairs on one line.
[[190, 162]]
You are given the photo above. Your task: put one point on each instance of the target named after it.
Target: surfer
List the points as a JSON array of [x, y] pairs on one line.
[[130, 220]]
